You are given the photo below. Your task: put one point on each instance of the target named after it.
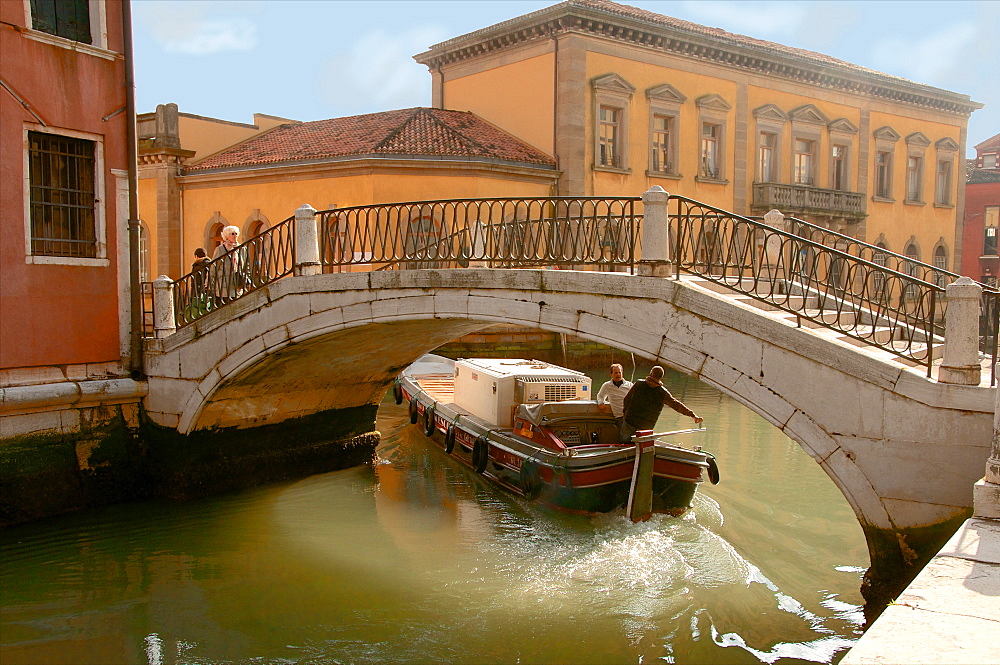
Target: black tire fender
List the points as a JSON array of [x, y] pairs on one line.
[[713, 470], [429, 426], [397, 392], [480, 454], [414, 413], [449, 439], [531, 482]]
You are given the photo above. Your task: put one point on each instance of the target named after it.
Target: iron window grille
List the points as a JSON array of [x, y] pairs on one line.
[[62, 199]]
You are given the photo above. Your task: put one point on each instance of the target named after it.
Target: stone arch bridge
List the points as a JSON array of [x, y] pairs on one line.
[[904, 449]]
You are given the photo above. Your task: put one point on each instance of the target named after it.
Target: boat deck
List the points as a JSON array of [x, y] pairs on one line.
[[440, 387]]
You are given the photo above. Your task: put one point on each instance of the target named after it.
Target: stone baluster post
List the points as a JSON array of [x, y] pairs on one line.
[[306, 242], [655, 260], [986, 492], [960, 363], [772, 244], [163, 307]]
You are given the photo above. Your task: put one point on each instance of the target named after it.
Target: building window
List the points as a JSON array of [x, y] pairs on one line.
[[803, 162], [610, 137], [63, 18], [885, 150], [914, 175], [916, 147], [665, 103], [215, 236], [712, 110], [942, 187], [662, 158], [839, 167], [612, 95], [941, 263], [990, 161], [990, 241], [62, 199], [710, 150], [883, 175], [770, 126], [765, 151]]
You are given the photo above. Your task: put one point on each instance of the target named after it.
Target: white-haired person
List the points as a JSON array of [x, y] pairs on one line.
[[230, 276]]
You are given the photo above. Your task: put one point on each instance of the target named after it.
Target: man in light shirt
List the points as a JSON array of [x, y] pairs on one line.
[[613, 392]]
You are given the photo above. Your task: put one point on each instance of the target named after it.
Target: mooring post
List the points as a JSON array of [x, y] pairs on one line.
[[306, 242], [986, 492], [163, 307], [655, 260], [960, 363]]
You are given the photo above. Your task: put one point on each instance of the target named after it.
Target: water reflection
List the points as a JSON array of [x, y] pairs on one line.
[[418, 559]]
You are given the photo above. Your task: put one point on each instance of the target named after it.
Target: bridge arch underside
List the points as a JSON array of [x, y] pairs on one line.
[[905, 465]]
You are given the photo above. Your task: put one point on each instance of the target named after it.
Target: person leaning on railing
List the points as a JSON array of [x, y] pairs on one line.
[[229, 277]]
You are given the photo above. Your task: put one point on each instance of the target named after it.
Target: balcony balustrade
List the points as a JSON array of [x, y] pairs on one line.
[[804, 199]]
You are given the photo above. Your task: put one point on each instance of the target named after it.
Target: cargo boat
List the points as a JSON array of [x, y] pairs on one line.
[[532, 428]]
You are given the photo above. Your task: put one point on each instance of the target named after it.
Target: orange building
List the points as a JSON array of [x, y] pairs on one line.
[[625, 99], [64, 285], [413, 154]]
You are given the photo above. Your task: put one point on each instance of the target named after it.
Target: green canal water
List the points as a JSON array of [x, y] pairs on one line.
[[417, 560]]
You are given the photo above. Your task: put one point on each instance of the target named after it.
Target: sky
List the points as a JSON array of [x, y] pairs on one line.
[[317, 59]]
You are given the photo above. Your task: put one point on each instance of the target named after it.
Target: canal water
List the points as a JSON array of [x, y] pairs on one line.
[[416, 560]]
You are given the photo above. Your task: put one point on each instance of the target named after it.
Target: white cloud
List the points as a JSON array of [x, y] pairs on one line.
[[201, 28], [378, 72]]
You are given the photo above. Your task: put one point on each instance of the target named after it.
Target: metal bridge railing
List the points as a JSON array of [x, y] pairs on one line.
[[498, 233], [260, 260], [872, 303], [989, 308]]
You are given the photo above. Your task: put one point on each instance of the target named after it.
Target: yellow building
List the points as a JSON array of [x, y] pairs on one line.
[[263, 174], [626, 99]]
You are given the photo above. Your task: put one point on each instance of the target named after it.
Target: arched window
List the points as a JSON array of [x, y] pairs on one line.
[[255, 224], [941, 263], [879, 258], [213, 232], [913, 269], [215, 237]]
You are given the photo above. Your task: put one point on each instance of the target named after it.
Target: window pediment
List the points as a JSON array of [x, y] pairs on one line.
[[613, 83], [713, 102], [770, 112], [842, 126], [947, 143], [886, 134], [808, 113], [918, 140], [666, 93]]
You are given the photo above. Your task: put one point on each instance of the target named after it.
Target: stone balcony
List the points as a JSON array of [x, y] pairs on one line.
[[799, 200]]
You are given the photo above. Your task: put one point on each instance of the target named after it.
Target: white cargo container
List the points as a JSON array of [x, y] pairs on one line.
[[491, 388]]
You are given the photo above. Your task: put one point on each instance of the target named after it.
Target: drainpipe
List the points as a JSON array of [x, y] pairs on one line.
[[135, 290]]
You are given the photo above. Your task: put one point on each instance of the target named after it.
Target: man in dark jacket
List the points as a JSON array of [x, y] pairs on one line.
[[644, 402]]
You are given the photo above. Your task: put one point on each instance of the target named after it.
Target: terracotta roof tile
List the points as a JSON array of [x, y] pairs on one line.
[[405, 132], [989, 144]]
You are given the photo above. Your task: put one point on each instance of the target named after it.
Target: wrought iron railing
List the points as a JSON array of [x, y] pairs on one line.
[[989, 304], [257, 262], [500, 233], [860, 299]]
